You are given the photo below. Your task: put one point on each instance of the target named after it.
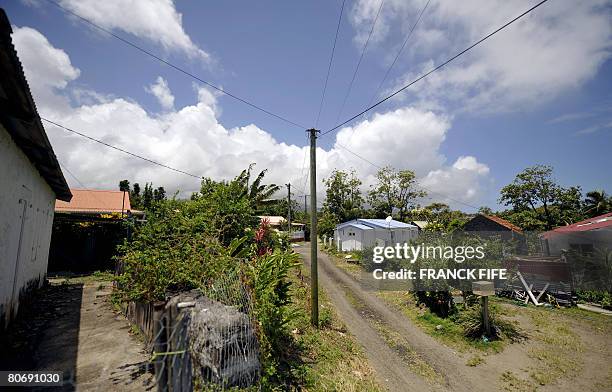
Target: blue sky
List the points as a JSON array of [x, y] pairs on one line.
[[538, 93]]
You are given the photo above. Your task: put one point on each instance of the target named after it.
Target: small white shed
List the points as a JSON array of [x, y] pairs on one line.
[[365, 233]]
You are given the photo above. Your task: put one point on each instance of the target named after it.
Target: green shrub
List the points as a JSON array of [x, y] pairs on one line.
[[473, 326], [268, 279]]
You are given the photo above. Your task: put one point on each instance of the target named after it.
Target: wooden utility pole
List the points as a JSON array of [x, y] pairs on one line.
[[289, 208], [314, 274], [485, 316]]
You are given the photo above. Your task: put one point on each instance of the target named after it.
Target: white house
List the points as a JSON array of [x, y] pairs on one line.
[[364, 233], [30, 182]]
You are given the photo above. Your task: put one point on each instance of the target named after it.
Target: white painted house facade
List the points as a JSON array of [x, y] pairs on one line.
[[30, 182], [359, 234]]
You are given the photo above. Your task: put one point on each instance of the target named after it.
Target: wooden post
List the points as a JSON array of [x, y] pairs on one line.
[[289, 209], [485, 315], [160, 345], [314, 274]]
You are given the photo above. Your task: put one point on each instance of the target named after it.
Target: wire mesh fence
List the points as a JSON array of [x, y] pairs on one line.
[[206, 339]]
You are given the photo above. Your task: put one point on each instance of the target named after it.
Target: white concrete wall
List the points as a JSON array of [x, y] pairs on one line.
[[26, 219], [400, 236], [369, 238], [600, 239]]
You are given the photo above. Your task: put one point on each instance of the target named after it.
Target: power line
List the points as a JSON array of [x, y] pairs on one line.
[[177, 68], [423, 76], [331, 59], [382, 82], [120, 149], [365, 46]]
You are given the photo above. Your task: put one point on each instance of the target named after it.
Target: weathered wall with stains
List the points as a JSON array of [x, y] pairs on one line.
[[26, 218]]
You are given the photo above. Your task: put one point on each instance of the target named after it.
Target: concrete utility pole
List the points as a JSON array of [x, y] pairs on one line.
[[289, 208], [314, 274], [305, 210]]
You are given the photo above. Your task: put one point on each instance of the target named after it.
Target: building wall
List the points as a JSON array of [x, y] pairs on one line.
[[374, 237], [26, 219], [599, 239]]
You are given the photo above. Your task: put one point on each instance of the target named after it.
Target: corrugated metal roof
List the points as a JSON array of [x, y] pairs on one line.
[[95, 202], [353, 224], [394, 224], [598, 222], [377, 223], [18, 115]]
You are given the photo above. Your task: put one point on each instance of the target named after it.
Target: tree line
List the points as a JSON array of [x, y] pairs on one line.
[[145, 200], [535, 201]]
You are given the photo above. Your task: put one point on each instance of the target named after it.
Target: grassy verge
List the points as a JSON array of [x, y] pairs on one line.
[[331, 358], [444, 330]]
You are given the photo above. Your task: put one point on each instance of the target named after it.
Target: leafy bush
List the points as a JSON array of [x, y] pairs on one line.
[[171, 252], [603, 298], [268, 278]]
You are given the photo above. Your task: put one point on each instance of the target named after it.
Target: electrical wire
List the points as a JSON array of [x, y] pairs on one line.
[[365, 46], [423, 76], [175, 67], [120, 149], [331, 59], [399, 52]]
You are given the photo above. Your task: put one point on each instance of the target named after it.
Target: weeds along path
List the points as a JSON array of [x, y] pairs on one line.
[[394, 345]]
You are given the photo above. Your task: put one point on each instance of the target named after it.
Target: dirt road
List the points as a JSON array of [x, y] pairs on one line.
[[360, 309]]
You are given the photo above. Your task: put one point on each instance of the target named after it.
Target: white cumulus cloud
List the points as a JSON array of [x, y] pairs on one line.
[[157, 21], [554, 49], [162, 92], [192, 139]]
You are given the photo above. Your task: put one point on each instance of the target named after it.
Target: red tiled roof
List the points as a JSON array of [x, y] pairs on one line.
[[504, 223], [95, 201]]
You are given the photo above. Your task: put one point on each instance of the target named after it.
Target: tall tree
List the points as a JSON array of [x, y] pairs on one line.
[[394, 191], [135, 197], [343, 198], [597, 203], [258, 193], [147, 196], [124, 186], [535, 190], [159, 194]]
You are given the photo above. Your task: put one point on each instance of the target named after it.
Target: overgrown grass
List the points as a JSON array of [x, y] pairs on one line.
[[444, 330], [331, 360], [447, 330]]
